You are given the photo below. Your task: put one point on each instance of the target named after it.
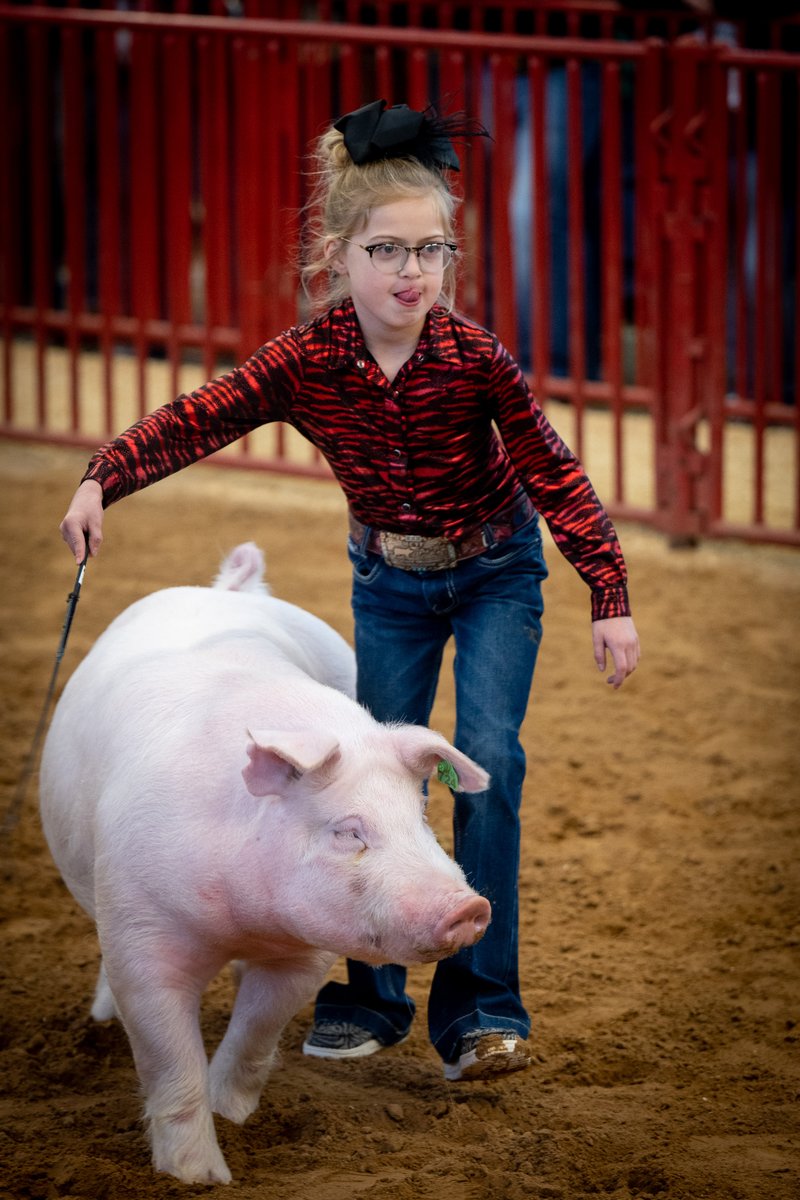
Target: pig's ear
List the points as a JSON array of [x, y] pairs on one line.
[[423, 750], [276, 754]]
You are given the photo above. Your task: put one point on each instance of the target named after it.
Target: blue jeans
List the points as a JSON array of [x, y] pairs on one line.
[[492, 606]]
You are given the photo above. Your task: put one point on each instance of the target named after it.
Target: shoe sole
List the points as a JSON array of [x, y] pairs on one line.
[[492, 1056]]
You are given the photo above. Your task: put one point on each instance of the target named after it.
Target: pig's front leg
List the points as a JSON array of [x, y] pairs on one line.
[[159, 1006], [267, 997]]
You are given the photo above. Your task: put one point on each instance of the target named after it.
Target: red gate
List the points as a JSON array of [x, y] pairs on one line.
[[630, 232], [723, 207]]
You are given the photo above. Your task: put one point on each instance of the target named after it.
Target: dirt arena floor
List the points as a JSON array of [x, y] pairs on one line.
[[659, 890]]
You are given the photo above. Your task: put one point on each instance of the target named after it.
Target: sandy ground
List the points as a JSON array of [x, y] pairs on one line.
[[659, 891]]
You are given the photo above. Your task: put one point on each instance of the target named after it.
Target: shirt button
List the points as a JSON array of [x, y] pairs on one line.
[[360, 364], [397, 453], [406, 507]]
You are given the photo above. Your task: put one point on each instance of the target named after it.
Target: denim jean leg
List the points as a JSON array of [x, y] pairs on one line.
[[399, 645], [497, 630]]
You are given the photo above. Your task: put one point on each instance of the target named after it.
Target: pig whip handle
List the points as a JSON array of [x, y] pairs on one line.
[[72, 604], [12, 815]]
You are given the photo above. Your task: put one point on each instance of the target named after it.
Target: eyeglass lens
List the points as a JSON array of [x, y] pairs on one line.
[[390, 257]]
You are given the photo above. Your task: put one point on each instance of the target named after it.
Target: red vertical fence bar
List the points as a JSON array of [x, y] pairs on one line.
[[282, 166], [795, 380], [264, 191], [475, 193], [654, 123], [716, 293], [214, 166], [453, 84], [611, 263], [651, 124], [576, 259], [142, 115], [176, 160], [773, 256], [417, 80], [776, 180], [682, 173], [741, 217], [765, 284], [677, 255], [453, 97], [9, 218], [143, 172], [109, 200], [248, 64], [540, 266], [279, 75], [74, 175], [41, 172], [349, 78], [383, 68], [502, 250]]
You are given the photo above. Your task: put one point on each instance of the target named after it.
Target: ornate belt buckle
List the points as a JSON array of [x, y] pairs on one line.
[[413, 552]]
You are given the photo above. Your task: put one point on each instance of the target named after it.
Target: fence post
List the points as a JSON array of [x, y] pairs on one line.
[[685, 204]]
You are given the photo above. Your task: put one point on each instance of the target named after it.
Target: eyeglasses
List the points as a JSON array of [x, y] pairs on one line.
[[389, 257]]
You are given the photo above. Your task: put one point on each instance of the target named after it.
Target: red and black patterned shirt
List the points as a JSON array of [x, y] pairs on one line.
[[438, 451]]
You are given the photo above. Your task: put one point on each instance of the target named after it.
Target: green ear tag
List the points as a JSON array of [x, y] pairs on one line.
[[446, 774]]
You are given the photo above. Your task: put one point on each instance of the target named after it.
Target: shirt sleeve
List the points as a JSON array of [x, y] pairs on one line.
[[560, 489], [199, 423]]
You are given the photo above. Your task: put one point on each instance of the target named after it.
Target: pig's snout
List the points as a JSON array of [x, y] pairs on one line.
[[463, 925]]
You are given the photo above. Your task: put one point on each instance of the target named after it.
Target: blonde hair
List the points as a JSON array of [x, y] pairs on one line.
[[343, 196]]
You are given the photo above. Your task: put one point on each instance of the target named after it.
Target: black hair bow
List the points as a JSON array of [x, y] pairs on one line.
[[374, 132]]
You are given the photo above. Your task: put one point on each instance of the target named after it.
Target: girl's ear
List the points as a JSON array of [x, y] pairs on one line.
[[334, 253]]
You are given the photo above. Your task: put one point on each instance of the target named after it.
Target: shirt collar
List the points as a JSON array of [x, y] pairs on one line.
[[439, 339], [346, 342]]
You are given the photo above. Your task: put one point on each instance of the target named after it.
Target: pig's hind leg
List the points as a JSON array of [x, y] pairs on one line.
[[267, 998]]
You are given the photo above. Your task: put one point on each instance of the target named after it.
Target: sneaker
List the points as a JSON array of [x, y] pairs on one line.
[[486, 1053], [340, 1039]]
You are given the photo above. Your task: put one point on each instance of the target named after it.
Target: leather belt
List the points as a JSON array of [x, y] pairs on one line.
[[414, 552]]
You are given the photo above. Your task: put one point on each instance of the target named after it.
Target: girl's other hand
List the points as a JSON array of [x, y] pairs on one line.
[[618, 636], [84, 517]]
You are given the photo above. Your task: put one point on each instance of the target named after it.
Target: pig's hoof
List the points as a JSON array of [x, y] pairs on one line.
[[233, 1105], [236, 1086], [197, 1173], [190, 1154]]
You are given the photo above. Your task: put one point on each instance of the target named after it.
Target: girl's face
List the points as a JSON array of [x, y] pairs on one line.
[[393, 306]]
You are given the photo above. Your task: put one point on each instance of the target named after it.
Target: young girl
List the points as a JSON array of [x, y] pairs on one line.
[[406, 400]]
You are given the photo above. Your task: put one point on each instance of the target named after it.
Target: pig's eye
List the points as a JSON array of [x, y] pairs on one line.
[[350, 839]]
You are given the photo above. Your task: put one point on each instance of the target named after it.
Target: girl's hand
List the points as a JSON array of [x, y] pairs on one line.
[[84, 516], [617, 635]]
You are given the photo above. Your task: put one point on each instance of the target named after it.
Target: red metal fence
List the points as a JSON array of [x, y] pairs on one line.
[[630, 232]]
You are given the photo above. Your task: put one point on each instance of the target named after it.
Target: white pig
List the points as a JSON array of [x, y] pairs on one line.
[[211, 791]]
